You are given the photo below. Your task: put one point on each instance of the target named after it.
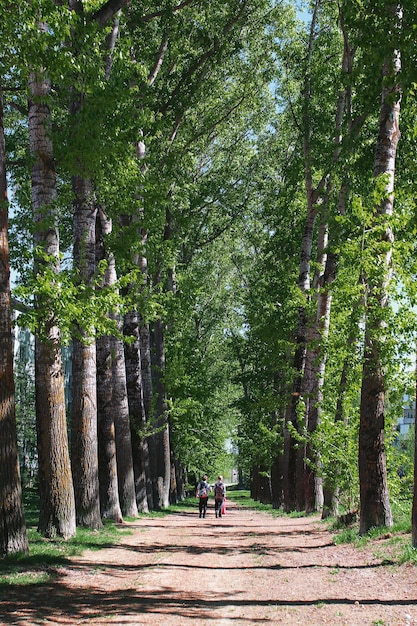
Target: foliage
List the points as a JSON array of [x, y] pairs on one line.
[[25, 406], [401, 463], [223, 123]]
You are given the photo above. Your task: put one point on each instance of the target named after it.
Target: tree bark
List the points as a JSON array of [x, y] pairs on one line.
[[294, 469], [92, 496], [112, 357], [84, 385], [414, 505], [147, 385], [13, 536], [138, 376], [84, 453], [107, 447], [324, 277], [138, 354], [108, 477], [159, 440], [140, 450], [57, 505]]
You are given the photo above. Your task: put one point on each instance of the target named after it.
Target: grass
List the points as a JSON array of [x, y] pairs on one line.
[[390, 544], [45, 555], [241, 497]]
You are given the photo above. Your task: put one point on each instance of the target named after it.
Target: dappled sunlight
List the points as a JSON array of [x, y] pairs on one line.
[[245, 568]]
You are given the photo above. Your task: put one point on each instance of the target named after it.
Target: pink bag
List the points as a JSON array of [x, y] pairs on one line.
[[224, 507]]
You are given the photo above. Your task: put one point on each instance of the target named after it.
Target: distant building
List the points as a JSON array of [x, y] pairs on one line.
[[408, 416]]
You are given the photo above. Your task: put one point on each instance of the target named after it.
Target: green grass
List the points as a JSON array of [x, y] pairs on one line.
[[242, 498], [390, 544], [45, 555], [24, 577]]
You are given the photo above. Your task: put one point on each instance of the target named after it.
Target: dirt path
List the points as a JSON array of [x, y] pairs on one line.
[[246, 568]]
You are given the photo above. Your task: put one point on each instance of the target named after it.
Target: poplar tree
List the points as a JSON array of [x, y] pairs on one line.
[[13, 537]]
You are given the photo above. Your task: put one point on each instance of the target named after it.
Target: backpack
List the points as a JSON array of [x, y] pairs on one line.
[[202, 490], [219, 491]]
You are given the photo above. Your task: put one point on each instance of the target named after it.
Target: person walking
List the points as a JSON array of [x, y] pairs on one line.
[[219, 496], [202, 493]]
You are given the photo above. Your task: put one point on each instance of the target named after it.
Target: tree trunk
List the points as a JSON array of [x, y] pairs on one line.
[[414, 506], [294, 485], [327, 262], [108, 479], [138, 381], [140, 450], [277, 466], [180, 480], [293, 482], [84, 453], [146, 365], [374, 498], [375, 508], [13, 536], [138, 367], [120, 408], [147, 385], [84, 386], [159, 440], [315, 369], [140, 398], [114, 359], [255, 488], [85, 412], [173, 487], [277, 481], [314, 373], [57, 505]]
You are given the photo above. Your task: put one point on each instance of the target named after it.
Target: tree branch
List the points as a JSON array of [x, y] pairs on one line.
[[199, 63], [151, 16], [216, 122], [157, 66], [108, 10]]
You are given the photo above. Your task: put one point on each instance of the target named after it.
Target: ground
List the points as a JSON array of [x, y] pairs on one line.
[[245, 568]]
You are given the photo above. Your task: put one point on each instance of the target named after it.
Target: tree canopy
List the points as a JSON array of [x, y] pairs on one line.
[[216, 172]]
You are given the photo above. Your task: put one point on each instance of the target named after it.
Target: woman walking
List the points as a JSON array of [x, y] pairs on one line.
[[219, 496], [203, 489]]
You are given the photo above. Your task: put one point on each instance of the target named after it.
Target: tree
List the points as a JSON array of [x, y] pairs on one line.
[[316, 198], [111, 387], [13, 537], [84, 408], [57, 505], [414, 505], [374, 498]]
